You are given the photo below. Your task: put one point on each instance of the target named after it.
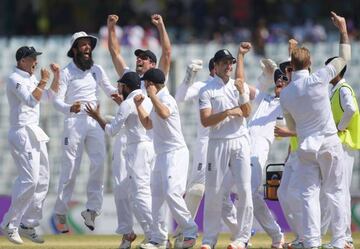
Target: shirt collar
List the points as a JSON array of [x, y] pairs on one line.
[[134, 93], [300, 74], [220, 80], [73, 65], [162, 91], [338, 85], [22, 72]]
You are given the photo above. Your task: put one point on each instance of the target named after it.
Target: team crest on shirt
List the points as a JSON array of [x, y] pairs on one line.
[[94, 75]]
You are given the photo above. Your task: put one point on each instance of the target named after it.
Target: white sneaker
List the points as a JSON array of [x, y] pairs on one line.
[[126, 241], [89, 218], [12, 235], [154, 245], [179, 238], [30, 233], [61, 223]]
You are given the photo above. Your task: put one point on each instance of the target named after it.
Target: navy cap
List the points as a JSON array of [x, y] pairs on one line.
[[211, 64], [26, 51], [277, 74], [223, 54], [154, 75], [283, 66], [148, 53], [131, 79]]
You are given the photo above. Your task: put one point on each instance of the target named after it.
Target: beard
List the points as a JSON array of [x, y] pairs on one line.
[[125, 94], [83, 63]]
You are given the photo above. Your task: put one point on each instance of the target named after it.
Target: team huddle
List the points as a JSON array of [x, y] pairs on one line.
[[150, 164]]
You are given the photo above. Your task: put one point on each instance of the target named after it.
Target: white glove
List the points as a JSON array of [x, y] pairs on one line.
[[268, 67], [191, 71]]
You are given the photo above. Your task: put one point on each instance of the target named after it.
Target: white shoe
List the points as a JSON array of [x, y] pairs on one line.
[[30, 233], [154, 245], [126, 241], [61, 223], [12, 235], [278, 244], [178, 241], [89, 218]]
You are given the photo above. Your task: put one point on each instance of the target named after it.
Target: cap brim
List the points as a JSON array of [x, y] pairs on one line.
[[283, 66], [93, 41], [139, 52], [226, 58]]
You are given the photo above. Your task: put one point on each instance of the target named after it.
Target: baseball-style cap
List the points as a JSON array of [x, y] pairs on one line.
[[211, 64], [154, 75], [131, 79], [283, 65], [78, 35], [277, 74], [148, 53], [223, 54], [26, 51]]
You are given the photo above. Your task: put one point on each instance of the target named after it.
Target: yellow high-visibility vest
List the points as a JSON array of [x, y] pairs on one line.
[[350, 136], [293, 144]]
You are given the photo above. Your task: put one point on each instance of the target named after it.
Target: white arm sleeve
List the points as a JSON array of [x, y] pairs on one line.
[[348, 105]]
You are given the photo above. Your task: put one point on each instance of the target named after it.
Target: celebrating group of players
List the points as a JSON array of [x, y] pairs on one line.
[[150, 164]]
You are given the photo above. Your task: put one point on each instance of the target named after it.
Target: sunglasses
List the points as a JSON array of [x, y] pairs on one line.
[[283, 78]]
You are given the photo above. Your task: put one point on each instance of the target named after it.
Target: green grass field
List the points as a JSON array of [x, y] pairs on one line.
[[260, 240]]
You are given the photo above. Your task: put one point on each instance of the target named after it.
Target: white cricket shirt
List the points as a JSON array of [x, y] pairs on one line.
[[127, 116], [24, 108], [220, 97], [186, 92], [83, 86], [167, 132], [306, 99], [262, 123]]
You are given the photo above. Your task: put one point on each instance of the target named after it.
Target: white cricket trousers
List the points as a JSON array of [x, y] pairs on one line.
[[121, 186], [31, 185], [228, 157], [349, 159], [168, 184], [197, 171], [81, 132], [259, 154], [323, 169], [290, 196], [139, 158]]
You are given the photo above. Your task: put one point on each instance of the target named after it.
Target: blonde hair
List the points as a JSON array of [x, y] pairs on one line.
[[300, 58]]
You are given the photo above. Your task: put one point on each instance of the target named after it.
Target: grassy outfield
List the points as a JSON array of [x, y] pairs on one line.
[[260, 240]]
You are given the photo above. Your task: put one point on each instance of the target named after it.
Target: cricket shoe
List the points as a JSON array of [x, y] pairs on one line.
[[89, 218], [179, 238], [30, 233], [187, 243], [278, 244], [126, 241], [154, 245], [206, 246], [12, 235], [61, 223], [237, 245]]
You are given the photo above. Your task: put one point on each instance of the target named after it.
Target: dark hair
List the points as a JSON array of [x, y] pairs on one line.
[[211, 64], [341, 74]]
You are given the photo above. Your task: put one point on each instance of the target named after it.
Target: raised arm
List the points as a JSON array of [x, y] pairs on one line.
[[165, 59], [143, 115], [340, 23], [240, 79], [114, 45]]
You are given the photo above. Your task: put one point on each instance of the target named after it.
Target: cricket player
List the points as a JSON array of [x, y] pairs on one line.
[[145, 60], [27, 142], [80, 82], [171, 164], [139, 152], [319, 145], [345, 110], [189, 91], [223, 107]]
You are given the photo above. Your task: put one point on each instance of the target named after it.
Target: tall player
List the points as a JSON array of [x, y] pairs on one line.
[[145, 60], [27, 143]]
